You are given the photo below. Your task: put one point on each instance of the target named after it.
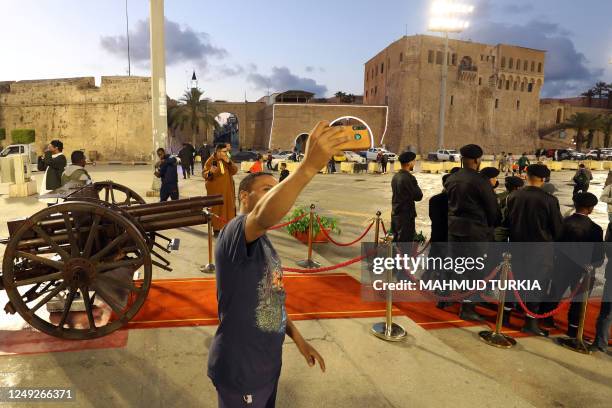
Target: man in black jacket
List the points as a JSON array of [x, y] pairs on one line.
[[473, 214], [405, 192], [186, 156], [167, 172], [604, 321], [579, 232], [533, 217], [55, 163]]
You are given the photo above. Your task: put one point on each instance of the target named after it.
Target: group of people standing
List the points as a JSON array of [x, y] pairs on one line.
[[469, 211]]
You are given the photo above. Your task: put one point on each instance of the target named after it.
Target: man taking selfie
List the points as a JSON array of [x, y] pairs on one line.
[[244, 360]]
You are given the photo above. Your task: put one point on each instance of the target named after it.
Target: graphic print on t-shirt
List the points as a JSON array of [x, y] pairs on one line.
[[270, 313]]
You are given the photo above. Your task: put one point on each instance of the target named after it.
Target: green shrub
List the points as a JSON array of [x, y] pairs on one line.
[[23, 136], [2, 133], [302, 225]]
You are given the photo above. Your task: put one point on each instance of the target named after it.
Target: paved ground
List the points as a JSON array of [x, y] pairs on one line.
[[450, 367]]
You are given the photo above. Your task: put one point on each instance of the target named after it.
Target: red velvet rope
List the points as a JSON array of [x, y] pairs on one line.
[[340, 243], [547, 314], [382, 224]]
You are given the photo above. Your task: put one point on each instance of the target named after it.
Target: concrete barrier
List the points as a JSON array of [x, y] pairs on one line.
[[246, 165], [432, 167], [553, 165], [373, 167], [347, 167], [593, 165], [292, 166], [448, 166], [569, 165], [607, 165]]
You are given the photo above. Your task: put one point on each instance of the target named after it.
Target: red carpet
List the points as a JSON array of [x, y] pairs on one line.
[[192, 302]]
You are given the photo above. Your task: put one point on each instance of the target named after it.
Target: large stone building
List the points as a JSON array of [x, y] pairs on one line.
[[113, 119], [492, 93]]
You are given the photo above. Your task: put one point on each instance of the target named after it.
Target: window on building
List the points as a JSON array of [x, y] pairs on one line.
[[452, 99], [430, 56], [367, 76], [382, 67], [372, 92], [454, 59], [518, 64], [375, 90], [530, 87], [522, 86], [507, 84], [501, 83], [525, 65], [439, 57], [487, 57], [539, 67], [493, 59], [503, 63], [496, 103], [366, 93], [518, 104], [511, 63], [532, 66], [401, 57], [515, 85], [559, 115], [479, 80]]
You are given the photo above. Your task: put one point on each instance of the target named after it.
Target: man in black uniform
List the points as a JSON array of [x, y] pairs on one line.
[[572, 258], [604, 321], [405, 192], [533, 216], [512, 183], [472, 211], [491, 173]]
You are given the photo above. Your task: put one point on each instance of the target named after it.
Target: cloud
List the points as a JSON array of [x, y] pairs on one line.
[[227, 71], [566, 69], [281, 79], [309, 68], [182, 44], [517, 8]]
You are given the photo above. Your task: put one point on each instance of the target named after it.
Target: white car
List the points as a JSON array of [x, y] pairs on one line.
[[445, 155], [284, 155], [354, 157], [603, 154], [372, 154]]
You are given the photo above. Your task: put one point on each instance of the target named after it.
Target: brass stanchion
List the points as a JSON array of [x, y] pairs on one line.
[[388, 330], [309, 263], [497, 338], [377, 229], [578, 345], [210, 266]]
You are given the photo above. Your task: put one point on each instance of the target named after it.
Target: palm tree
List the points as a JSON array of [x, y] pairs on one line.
[[605, 125], [580, 122], [195, 111]]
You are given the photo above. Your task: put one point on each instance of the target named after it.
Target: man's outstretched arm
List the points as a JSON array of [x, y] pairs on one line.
[[323, 143], [310, 354]]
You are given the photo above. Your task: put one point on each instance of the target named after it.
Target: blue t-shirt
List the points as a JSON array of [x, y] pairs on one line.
[[246, 351]]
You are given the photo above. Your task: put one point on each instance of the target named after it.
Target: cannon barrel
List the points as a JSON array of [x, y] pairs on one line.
[[168, 206]]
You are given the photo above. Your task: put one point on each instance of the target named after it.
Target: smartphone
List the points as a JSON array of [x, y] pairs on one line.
[[360, 137]]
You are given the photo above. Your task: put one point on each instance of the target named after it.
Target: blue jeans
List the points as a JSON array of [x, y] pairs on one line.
[[604, 321]]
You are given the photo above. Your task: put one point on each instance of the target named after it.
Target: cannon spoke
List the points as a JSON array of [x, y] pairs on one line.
[[104, 251], [67, 306], [41, 260], [133, 263], [118, 283], [38, 279], [112, 194], [90, 238], [60, 251], [88, 307], [47, 298], [108, 300]]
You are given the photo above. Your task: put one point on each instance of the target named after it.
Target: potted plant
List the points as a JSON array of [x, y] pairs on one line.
[[299, 229]]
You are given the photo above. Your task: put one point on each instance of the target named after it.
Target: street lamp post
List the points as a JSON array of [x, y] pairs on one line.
[[447, 16]]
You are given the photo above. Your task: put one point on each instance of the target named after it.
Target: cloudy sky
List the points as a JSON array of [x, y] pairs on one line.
[[247, 47]]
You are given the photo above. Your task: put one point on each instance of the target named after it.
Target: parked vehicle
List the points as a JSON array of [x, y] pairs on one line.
[[27, 149], [354, 157], [284, 155], [575, 155], [599, 154], [372, 154], [244, 156], [444, 155]]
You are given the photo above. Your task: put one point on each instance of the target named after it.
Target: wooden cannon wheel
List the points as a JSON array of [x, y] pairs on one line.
[[86, 254], [117, 194]]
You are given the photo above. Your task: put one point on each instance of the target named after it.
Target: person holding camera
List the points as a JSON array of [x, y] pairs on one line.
[[54, 163], [219, 173], [245, 357]]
